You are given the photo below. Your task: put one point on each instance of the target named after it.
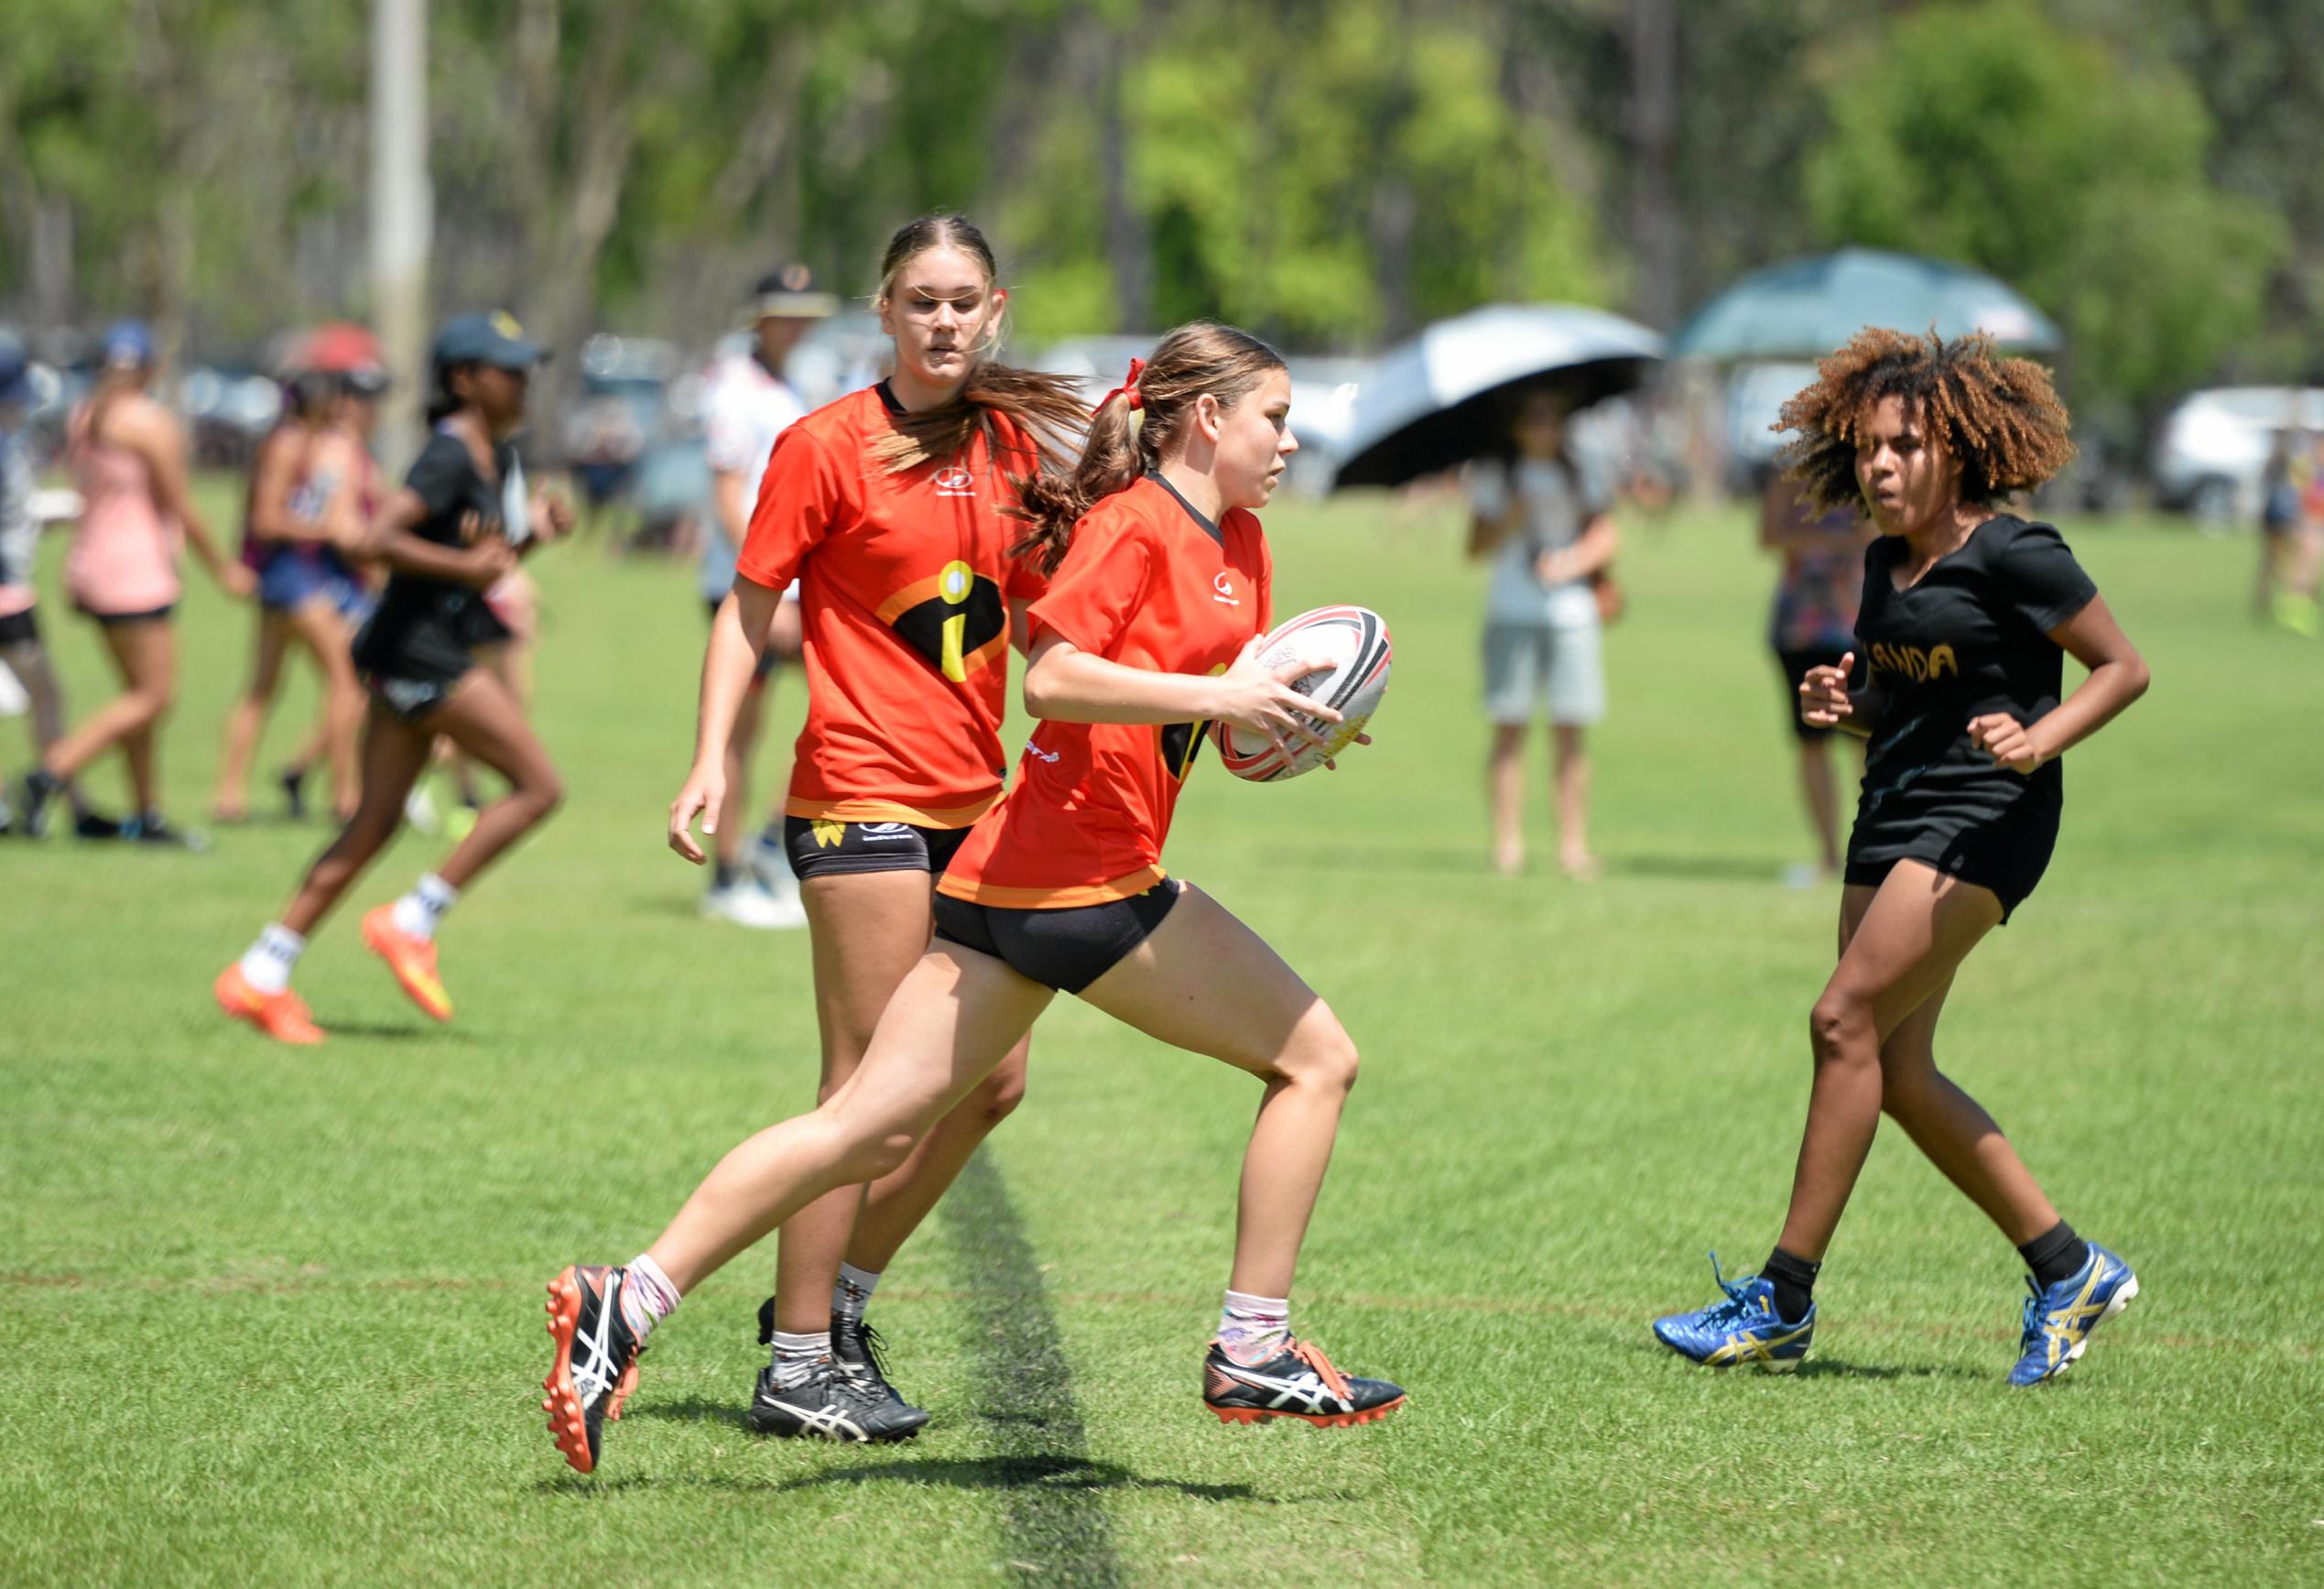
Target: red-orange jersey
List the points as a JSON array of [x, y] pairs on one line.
[[1151, 583], [905, 581]]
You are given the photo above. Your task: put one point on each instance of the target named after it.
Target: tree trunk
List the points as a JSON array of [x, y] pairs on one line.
[[1651, 38]]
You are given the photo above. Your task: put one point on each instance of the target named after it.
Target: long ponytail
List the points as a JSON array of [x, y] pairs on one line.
[[1200, 357]]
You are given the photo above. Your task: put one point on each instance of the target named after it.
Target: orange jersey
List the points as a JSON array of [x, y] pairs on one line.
[[1150, 583], [905, 581]]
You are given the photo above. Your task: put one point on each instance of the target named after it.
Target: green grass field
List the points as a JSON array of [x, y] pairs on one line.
[[275, 1315]]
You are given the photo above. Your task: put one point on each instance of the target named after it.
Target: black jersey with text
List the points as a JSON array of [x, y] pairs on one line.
[[426, 628], [1971, 637]]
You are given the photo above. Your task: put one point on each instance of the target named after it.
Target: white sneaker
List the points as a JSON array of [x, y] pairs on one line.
[[771, 865], [745, 904], [420, 806]]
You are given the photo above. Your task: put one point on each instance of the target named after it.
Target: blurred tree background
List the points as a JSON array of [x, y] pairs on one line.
[[1331, 174]]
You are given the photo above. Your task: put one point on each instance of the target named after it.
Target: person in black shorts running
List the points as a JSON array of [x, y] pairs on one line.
[[457, 526], [1966, 613]]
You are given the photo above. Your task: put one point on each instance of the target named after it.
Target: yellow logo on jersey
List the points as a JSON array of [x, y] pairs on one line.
[[829, 833], [1913, 662]]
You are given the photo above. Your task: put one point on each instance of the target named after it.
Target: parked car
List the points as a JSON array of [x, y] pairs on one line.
[[2212, 448]]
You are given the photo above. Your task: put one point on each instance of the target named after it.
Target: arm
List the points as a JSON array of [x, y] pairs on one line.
[[1021, 627], [2118, 676], [389, 539], [738, 635], [1487, 531], [1591, 551], [1065, 684], [155, 435], [1826, 701], [270, 515]]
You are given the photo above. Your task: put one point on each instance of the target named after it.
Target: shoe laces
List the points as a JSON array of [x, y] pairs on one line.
[[2036, 1323], [1737, 1307], [1312, 1355], [874, 1351]]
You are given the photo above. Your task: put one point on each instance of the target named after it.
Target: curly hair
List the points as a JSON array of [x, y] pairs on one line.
[[2000, 417]]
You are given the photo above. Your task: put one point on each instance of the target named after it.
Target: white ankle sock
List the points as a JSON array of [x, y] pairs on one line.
[[852, 1292], [268, 965], [1254, 1329], [798, 1356], [419, 911], [648, 1298]]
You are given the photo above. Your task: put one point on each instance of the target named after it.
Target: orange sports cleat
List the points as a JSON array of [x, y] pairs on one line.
[[413, 960], [281, 1016]]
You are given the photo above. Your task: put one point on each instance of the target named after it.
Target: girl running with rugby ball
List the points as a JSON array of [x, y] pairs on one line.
[[456, 527], [1966, 613], [893, 509], [1147, 632]]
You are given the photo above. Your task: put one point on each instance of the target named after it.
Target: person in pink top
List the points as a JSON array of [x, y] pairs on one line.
[[129, 453]]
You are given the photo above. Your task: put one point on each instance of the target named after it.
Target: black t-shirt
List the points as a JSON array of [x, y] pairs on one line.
[[1971, 637], [426, 628]]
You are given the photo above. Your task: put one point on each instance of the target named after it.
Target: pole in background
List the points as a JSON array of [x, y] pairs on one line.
[[402, 217]]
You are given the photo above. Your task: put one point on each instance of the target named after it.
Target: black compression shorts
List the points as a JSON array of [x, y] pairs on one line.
[[2007, 857], [1066, 950], [820, 847]]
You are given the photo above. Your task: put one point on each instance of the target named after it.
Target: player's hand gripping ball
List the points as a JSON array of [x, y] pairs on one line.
[[1348, 646]]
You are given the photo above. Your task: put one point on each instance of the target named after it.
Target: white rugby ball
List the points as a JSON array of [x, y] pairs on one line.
[[1348, 646]]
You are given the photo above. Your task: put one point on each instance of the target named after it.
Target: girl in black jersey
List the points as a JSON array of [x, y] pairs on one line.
[[460, 522], [1956, 680]]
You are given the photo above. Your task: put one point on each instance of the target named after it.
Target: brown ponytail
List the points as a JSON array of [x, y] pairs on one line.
[[1046, 409], [1199, 358]]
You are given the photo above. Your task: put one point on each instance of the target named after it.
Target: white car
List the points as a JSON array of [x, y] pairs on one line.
[[2214, 447]]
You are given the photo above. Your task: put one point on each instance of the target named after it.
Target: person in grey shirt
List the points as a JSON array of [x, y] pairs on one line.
[[1543, 522]]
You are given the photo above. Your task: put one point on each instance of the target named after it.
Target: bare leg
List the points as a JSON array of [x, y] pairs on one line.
[[1205, 983], [393, 752], [1573, 773], [869, 930], [1818, 787], [246, 718], [955, 1016], [28, 660], [1900, 945], [144, 656], [1506, 784], [1955, 1135], [320, 625], [484, 719]]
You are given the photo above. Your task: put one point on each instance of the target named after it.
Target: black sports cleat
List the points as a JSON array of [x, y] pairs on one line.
[[589, 1371], [94, 826], [849, 1399], [293, 780], [1297, 1382], [832, 1404], [34, 792], [151, 830]]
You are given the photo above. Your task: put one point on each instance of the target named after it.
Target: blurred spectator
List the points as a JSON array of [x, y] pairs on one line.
[[1812, 624]]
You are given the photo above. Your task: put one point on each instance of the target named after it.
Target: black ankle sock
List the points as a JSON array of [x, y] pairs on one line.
[[726, 871], [1794, 1278], [2057, 1254]]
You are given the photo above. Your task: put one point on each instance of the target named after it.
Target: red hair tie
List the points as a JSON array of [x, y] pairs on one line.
[[1128, 388]]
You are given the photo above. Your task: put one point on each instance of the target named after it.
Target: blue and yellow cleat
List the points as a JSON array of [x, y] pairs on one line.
[[1742, 1329], [2059, 1320]]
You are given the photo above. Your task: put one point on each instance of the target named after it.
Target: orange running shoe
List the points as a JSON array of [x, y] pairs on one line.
[[413, 960], [281, 1016]]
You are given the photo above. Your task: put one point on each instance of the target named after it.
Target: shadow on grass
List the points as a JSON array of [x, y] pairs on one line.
[[693, 1409], [1840, 1368], [396, 1034], [1020, 1473], [1697, 869]]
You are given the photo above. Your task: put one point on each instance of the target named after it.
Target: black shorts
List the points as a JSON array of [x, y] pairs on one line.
[[822, 848], [111, 620], [767, 660], [20, 628], [412, 699], [1795, 666], [2008, 858], [1066, 950]]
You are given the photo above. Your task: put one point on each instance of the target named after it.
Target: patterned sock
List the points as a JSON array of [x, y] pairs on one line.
[[1254, 1329], [418, 912], [2055, 1255], [648, 1298], [268, 965], [852, 1293], [797, 1357]]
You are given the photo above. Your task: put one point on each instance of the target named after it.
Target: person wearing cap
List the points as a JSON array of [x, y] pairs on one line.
[[20, 644], [749, 404], [303, 507], [455, 529], [130, 455]]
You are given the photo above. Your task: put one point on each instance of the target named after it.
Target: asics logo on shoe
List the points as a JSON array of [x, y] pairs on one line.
[[594, 1370], [829, 1422], [1308, 1393]]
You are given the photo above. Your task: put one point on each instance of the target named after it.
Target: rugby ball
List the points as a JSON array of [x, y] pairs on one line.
[[1348, 646]]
